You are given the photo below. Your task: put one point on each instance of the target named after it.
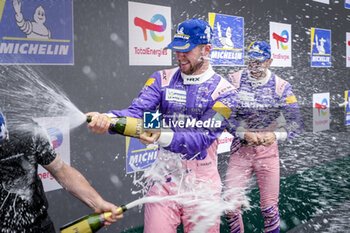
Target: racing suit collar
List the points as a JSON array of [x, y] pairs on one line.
[[261, 82], [198, 79]]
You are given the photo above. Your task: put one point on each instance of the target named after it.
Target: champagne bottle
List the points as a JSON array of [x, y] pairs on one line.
[[127, 126], [90, 223]]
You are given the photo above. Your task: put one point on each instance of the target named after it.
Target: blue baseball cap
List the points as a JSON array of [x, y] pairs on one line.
[[191, 33], [3, 129], [259, 50]]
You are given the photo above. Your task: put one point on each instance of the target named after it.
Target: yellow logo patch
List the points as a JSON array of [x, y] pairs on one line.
[[150, 81], [291, 99], [222, 109]]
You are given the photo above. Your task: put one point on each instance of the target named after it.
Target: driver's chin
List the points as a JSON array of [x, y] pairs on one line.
[[186, 69], [255, 74], [187, 72], [189, 69]]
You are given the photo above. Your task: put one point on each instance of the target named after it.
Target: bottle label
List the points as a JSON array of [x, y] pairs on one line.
[[80, 227], [133, 127]]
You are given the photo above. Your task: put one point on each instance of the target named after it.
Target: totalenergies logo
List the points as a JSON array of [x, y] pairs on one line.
[[56, 137], [281, 39], [322, 107], [144, 25]]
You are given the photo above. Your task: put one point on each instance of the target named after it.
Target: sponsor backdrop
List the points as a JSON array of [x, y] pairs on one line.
[[228, 41], [321, 47], [138, 156], [347, 108], [281, 44], [224, 142], [149, 32], [36, 32], [58, 132], [321, 111], [118, 45], [347, 4]]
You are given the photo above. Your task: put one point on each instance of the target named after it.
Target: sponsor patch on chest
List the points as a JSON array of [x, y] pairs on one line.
[[246, 96], [174, 95]]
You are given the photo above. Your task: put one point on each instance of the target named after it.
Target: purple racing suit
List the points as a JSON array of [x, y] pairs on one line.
[[204, 104], [266, 105]]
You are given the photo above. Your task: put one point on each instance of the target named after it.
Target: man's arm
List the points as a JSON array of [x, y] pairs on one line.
[[76, 184], [192, 140], [147, 100], [289, 124], [292, 122]]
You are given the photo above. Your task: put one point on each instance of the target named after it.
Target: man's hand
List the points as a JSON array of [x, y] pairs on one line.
[[252, 138], [267, 139], [104, 206], [99, 124], [76, 184], [17, 6], [145, 139]]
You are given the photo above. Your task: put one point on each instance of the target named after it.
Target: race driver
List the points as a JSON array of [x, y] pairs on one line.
[[268, 112], [204, 101]]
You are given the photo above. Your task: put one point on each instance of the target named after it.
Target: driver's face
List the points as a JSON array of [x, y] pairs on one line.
[[256, 68], [191, 62]]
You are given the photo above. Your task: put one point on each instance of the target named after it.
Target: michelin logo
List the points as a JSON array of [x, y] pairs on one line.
[[35, 30], [226, 42], [320, 43], [29, 48], [142, 160]]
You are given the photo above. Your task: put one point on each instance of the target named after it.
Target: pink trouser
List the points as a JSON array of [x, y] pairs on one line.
[[264, 161], [166, 216]]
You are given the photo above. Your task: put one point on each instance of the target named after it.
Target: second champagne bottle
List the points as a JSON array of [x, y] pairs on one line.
[[127, 126]]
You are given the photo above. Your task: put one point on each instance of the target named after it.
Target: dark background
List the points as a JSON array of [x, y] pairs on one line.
[[101, 79]]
